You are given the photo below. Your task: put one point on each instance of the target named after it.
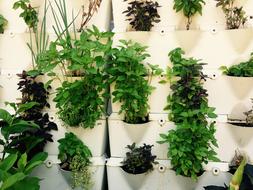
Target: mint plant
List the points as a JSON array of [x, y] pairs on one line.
[[142, 14], [29, 13], [235, 16], [243, 69], [3, 24], [189, 8], [132, 80], [75, 157], [192, 143]]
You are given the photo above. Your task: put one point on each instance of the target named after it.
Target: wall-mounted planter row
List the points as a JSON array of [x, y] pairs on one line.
[[101, 17], [162, 177], [55, 178], [212, 16]]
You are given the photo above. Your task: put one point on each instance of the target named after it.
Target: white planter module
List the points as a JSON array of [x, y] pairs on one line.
[[122, 134], [162, 178], [231, 139], [230, 95], [53, 179], [95, 139]]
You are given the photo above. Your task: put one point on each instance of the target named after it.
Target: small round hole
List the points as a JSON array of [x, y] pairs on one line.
[[251, 17], [214, 75], [161, 168]]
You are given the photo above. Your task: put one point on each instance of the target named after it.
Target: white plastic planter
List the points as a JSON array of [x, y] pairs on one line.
[[157, 100], [14, 52], [230, 95], [95, 138], [228, 47], [162, 177], [231, 139], [101, 18], [53, 178], [122, 134]]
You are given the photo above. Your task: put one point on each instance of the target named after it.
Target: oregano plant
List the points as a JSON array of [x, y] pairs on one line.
[[192, 143], [142, 14], [189, 8], [235, 16], [131, 78]]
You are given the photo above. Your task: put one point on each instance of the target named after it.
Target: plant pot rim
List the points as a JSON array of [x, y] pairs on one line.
[[239, 123]]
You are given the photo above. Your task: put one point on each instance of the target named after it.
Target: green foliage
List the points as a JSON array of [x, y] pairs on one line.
[[189, 8], [71, 146], [16, 176], [191, 143], [82, 101], [29, 13], [139, 159], [132, 80], [142, 14], [235, 16], [3, 24], [243, 69], [75, 157]]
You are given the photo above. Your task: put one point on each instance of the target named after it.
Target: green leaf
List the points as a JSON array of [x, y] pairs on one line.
[[5, 116], [22, 162], [12, 180], [8, 162], [37, 160]]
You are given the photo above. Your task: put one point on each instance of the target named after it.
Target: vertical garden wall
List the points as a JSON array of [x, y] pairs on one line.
[[126, 94]]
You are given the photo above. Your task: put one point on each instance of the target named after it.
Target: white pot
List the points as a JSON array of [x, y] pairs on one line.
[[160, 178], [14, 52], [99, 132], [231, 139], [230, 95], [55, 178], [122, 134], [163, 177]]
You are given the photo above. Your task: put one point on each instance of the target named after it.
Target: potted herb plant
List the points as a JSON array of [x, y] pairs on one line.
[[75, 161], [191, 143], [235, 16], [139, 159], [142, 14], [130, 79], [189, 9]]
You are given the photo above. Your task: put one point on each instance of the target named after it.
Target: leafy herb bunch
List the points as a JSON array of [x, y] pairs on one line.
[[142, 14], [36, 92], [189, 8], [132, 80], [75, 157], [243, 69], [81, 101], [29, 13], [139, 159], [191, 143], [235, 16]]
